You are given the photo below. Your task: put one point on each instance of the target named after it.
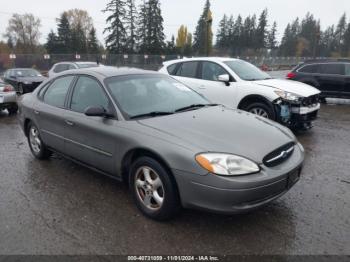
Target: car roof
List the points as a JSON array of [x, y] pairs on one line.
[[335, 60], [212, 59], [109, 71], [76, 62]]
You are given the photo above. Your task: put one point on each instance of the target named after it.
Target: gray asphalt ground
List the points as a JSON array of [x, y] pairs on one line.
[[58, 207]]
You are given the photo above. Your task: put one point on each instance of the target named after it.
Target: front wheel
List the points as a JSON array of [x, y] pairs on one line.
[[261, 109], [153, 189], [39, 150]]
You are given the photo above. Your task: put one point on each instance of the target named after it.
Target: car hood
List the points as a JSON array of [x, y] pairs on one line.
[[32, 79], [290, 86], [220, 129]]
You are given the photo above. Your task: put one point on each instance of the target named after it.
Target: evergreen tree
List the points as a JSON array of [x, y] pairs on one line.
[[203, 36], [223, 33], [79, 41], [117, 35], [51, 44], [170, 48], [346, 44], [151, 31], [271, 38], [93, 45], [261, 31], [130, 19], [64, 35], [339, 33]]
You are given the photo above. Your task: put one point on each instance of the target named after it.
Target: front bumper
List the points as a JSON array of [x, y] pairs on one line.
[[297, 116], [7, 98], [234, 195]]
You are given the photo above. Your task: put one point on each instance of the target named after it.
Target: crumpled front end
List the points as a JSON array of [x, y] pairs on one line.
[[298, 114]]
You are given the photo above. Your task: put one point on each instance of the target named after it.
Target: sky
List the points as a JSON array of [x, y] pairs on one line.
[[177, 12]]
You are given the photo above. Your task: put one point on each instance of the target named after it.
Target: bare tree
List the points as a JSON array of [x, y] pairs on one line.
[[80, 18], [24, 32]]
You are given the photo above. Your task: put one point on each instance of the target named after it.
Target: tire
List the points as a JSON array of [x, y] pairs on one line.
[[262, 110], [36, 145], [13, 109], [154, 194]]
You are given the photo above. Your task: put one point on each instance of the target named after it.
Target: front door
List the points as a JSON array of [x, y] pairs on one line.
[[90, 139]]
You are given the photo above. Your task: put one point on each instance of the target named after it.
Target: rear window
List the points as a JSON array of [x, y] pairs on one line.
[[347, 69], [172, 69], [188, 69], [56, 94], [310, 69], [332, 69]]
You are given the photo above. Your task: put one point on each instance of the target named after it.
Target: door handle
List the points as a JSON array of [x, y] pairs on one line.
[[70, 123], [36, 112]]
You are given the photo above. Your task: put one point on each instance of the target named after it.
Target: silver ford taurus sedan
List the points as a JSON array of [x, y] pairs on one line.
[[173, 147]]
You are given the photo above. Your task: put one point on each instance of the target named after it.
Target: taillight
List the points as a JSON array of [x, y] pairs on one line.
[[8, 89], [291, 75]]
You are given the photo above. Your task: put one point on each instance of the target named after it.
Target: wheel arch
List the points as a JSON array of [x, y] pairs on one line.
[[247, 100], [27, 121], [136, 153]]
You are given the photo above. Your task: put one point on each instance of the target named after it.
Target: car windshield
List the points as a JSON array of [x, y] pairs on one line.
[[88, 65], [27, 73], [247, 71], [152, 95]]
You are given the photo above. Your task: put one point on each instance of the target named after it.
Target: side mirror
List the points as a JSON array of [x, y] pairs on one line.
[[95, 111], [224, 78]]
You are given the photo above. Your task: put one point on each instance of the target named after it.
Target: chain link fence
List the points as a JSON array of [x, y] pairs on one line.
[[150, 62]]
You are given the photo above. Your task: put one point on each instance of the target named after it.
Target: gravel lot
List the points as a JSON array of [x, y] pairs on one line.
[[58, 207]]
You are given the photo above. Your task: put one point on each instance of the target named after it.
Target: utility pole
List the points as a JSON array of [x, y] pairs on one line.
[[209, 21]]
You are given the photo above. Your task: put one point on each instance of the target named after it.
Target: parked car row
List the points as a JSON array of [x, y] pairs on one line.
[[175, 136]]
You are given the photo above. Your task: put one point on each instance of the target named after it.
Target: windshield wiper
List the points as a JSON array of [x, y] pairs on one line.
[[152, 114], [193, 107]]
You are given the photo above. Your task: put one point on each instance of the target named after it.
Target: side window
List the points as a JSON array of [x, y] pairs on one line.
[[188, 69], [71, 67], [60, 68], [309, 69], [172, 68], [87, 92], [211, 71], [333, 69], [56, 94]]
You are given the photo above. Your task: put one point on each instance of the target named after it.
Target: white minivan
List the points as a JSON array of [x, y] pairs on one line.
[[239, 84]]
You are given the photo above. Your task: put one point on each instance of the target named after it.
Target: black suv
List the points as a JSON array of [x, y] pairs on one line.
[[331, 77]]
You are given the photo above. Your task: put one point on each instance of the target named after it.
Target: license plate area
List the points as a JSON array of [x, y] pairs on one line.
[[1, 98]]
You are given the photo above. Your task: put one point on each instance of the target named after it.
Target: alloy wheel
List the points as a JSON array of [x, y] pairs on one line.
[[259, 111], [34, 140], [149, 188]]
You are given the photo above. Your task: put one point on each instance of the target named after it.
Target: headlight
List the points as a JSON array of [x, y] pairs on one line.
[[287, 95], [226, 164], [27, 83]]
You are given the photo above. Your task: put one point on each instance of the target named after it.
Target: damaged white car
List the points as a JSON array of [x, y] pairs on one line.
[[239, 84]]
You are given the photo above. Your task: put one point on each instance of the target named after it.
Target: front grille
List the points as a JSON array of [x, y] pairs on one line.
[[279, 155], [311, 100]]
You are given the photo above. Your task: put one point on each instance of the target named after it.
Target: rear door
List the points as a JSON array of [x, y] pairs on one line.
[[50, 112], [188, 73], [90, 139], [331, 78]]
